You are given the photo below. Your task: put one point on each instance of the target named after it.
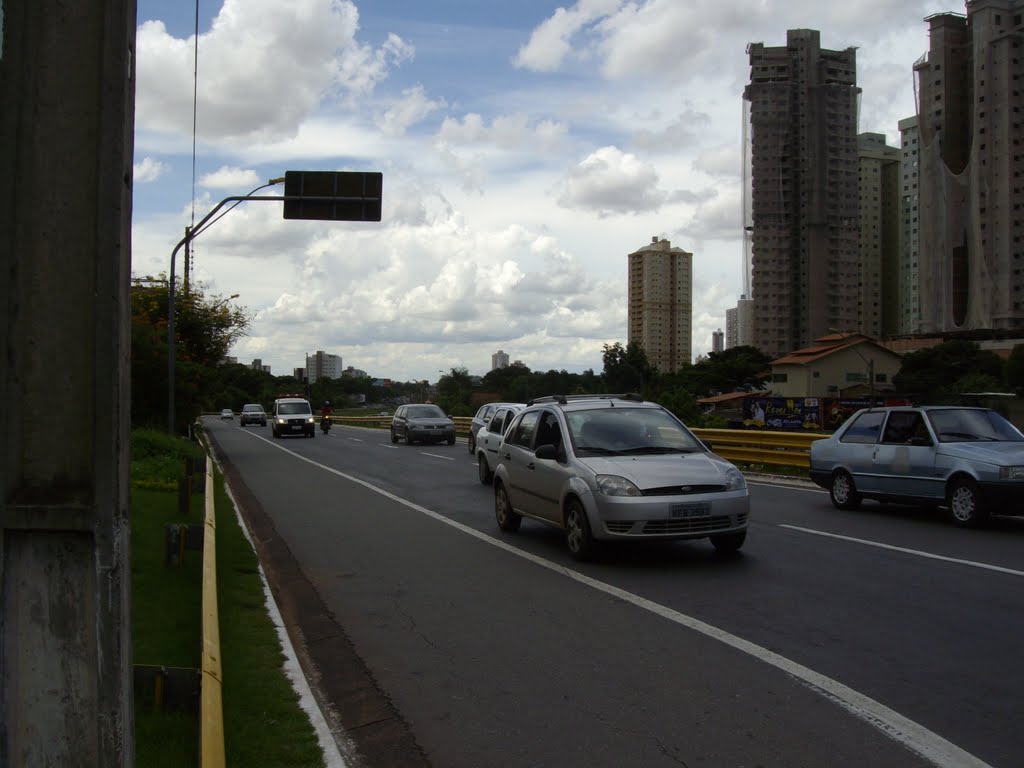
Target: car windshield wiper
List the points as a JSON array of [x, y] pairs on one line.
[[598, 451], [641, 450]]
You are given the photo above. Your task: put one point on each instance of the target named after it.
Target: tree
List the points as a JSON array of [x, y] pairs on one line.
[[935, 374], [205, 328], [627, 369], [1015, 369]]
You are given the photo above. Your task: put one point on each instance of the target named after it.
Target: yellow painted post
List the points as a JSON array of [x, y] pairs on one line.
[[211, 713]]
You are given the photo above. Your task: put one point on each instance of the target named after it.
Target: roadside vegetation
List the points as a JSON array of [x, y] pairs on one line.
[[263, 724]]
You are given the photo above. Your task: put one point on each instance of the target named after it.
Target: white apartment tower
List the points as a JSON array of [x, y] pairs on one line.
[[323, 366], [499, 360], [878, 305], [660, 304]]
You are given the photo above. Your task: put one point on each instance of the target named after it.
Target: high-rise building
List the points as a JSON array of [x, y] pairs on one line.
[[739, 324], [499, 360], [660, 304], [909, 279], [717, 341], [971, 253], [878, 305], [804, 213], [323, 365]]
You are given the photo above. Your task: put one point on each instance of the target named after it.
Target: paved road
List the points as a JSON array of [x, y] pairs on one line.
[[883, 637]]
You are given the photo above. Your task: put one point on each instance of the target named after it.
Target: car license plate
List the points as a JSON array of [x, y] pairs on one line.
[[690, 510], [296, 427]]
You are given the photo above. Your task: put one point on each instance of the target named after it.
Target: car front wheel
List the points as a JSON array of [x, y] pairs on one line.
[[472, 443], [578, 537], [507, 518], [484, 470], [394, 437], [963, 497], [842, 492]]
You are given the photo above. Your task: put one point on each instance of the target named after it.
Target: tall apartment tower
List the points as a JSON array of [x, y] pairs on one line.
[[499, 360], [909, 320], [323, 365], [802, 116], [660, 304], [972, 169], [878, 305], [717, 341], [739, 324]]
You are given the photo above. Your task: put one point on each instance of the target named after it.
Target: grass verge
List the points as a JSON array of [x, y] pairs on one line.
[[263, 723]]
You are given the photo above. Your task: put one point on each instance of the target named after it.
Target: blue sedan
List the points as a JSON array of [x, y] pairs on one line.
[[970, 460]]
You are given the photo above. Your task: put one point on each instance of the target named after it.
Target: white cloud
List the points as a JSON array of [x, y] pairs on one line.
[[405, 112], [610, 181], [147, 170], [227, 177], [264, 66]]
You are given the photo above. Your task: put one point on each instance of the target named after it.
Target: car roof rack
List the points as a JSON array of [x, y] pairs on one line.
[[564, 399]]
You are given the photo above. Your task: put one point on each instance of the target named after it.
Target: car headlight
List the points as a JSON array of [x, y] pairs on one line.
[[734, 479], [310, 420], [1011, 473], [281, 420], [613, 485]]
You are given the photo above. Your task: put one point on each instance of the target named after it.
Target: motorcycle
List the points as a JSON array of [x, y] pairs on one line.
[[325, 423]]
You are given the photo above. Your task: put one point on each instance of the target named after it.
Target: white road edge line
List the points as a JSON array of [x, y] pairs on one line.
[[915, 552], [940, 752]]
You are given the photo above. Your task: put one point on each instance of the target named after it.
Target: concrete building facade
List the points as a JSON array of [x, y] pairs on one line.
[[909, 320], [802, 117], [739, 324], [880, 203], [660, 304], [323, 365], [972, 169], [499, 360]]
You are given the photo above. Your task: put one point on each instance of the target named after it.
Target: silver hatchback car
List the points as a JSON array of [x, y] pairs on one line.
[[613, 467], [971, 460]]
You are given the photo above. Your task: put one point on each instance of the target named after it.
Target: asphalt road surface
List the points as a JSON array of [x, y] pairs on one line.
[[883, 637]]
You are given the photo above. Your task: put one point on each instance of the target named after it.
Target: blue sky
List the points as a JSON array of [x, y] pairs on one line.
[[526, 149]]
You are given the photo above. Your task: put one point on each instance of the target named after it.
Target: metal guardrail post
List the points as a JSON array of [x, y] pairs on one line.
[[211, 713]]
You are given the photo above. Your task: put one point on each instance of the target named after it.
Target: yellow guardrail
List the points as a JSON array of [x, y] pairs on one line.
[[211, 713], [747, 446]]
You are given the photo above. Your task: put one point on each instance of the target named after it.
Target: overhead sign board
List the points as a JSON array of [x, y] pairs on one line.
[[333, 195]]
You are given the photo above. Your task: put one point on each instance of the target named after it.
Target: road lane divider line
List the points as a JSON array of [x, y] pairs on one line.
[[437, 456], [940, 752], [904, 550]]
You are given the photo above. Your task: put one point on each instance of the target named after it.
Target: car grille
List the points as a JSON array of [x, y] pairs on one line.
[[683, 490], [675, 526]]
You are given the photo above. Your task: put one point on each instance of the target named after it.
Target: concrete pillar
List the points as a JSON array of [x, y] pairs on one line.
[[66, 133]]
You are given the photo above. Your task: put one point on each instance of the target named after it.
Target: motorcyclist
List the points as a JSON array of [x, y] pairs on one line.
[[325, 415]]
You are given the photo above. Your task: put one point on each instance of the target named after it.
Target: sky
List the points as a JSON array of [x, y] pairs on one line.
[[526, 149]]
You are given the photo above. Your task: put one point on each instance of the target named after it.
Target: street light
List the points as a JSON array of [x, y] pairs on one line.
[[870, 364]]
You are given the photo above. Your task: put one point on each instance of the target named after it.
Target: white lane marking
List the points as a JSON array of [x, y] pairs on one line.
[[915, 737], [915, 552], [437, 456], [355, 439]]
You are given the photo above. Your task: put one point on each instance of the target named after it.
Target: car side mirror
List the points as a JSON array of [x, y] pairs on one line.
[[546, 452]]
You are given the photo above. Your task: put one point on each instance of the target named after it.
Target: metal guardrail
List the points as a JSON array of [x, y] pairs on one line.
[[747, 446], [211, 712]]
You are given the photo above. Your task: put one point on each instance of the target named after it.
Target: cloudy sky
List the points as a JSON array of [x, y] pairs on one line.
[[526, 148]]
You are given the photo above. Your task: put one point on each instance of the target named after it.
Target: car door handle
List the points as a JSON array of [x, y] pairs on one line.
[[531, 466], [508, 456]]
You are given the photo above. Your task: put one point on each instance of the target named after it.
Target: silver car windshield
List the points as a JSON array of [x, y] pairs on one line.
[[964, 425], [629, 432]]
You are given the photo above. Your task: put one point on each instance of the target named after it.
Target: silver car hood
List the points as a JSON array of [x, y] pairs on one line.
[[661, 470], [1004, 453]]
